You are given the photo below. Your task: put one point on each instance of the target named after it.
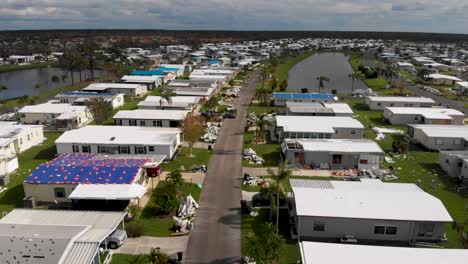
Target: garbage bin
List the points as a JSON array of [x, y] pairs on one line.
[[180, 255], [209, 148]]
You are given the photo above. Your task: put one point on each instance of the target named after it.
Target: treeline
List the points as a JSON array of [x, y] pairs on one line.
[[194, 35]]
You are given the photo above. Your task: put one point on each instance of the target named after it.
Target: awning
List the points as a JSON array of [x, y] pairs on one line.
[[108, 192]]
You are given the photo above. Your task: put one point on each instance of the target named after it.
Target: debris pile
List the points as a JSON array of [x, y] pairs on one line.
[[212, 130], [381, 131], [256, 181], [252, 157], [233, 92], [183, 222]]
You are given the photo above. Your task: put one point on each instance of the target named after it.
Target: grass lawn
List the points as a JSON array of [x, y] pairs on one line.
[[418, 165], [376, 83], [260, 109], [154, 226], [406, 74], [200, 156], [14, 67], [28, 161], [291, 253], [270, 151], [355, 60], [127, 259], [130, 104]]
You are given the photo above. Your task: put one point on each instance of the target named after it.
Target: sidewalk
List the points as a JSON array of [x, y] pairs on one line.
[[296, 172], [142, 245]]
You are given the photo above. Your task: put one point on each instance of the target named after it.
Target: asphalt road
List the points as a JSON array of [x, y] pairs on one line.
[[216, 237], [333, 65]]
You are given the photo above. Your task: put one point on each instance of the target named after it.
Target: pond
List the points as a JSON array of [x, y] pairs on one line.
[[22, 82], [333, 65]]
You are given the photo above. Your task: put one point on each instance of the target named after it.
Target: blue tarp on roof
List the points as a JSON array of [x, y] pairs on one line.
[[167, 69], [213, 62], [87, 169], [147, 73], [302, 96]]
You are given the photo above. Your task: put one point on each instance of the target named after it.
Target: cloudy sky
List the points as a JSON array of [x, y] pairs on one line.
[[448, 16]]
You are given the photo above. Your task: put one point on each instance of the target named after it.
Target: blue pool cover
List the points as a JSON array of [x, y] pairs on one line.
[[87, 169]]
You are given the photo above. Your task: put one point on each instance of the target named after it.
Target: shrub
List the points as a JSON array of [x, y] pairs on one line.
[[134, 211], [334, 91], [134, 229], [166, 199]]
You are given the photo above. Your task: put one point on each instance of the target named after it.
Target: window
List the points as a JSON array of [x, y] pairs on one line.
[[76, 148], [391, 230], [21, 141], [86, 149], [142, 123], [59, 192], [151, 148], [336, 159], [319, 226], [426, 229], [154, 123], [439, 141], [23, 115], [159, 123], [336, 131], [458, 141], [29, 137], [132, 122], [124, 150], [379, 104], [392, 104], [140, 150], [353, 132], [380, 230], [363, 161]]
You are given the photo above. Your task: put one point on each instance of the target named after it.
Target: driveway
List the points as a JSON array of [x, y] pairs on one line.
[[216, 237], [142, 245]]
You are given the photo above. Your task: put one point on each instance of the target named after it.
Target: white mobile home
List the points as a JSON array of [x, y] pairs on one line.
[[440, 137], [280, 99], [318, 109], [56, 116], [461, 88], [366, 211], [83, 98], [317, 127], [176, 103], [150, 82], [380, 102], [406, 66], [332, 153], [120, 140], [442, 79], [455, 164], [421, 115], [129, 89], [332, 253], [150, 118]]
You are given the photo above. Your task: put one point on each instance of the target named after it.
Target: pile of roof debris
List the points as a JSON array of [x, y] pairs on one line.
[[212, 130], [252, 157], [233, 92], [381, 131], [252, 117], [256, 181], [363, 92], [183, 222], [376, 173]]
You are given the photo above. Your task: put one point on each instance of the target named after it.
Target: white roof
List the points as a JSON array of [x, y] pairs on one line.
[[332, 253], [105, 86], [433, 113], [444, 131], [52, 108], [464, 84], [116, 135], [404, 64], [401, 99], [194, 92], [443, 76], [209, 77], [150, 114], [341, 108], [108, 192], [140, 79], [175, 99], [320, 124], [371, 199], [338, 145]]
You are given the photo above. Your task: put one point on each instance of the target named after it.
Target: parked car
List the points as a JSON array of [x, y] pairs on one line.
[[117, 238], [230, 114]]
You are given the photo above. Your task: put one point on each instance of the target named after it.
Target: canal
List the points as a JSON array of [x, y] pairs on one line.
[[23, 82], [333, 65]]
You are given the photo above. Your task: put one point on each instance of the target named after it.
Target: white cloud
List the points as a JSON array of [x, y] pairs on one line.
[[399, 15]]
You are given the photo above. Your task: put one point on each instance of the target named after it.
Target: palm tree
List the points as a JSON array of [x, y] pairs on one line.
[[264, 76], [3, 88], [356, 76], [64, 77], [260, 127], [283, 174], [175, 177], [262, 95], [155, 256], [321, 80], [37, 87], [166, 94], [266, 245], [423, 73], [55, 79], [391, 73], [212, 103]]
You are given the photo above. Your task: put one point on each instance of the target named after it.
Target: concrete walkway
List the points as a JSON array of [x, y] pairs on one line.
[[296, 172], [142, 245]]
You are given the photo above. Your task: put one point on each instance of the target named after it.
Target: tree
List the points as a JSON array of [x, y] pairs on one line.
[[231, 82], [166, 198], [175, 177], [283, 174], [262, 95], [304, 90], [284, 85], [70, 61], [3, 88], [264, 76], [155, 256], [260, 127], [37, 87], [273, 84], [100, 109], [391, 74], [55, 79], [266, 245], [356, 76], [274, 61], [64, 77], [212, 103], [193, 128], [321, 80], [423, 73], [460, 228], [166, 95], [89, 50]]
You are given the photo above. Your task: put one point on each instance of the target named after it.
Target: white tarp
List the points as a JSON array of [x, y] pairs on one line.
[[108, 192]]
